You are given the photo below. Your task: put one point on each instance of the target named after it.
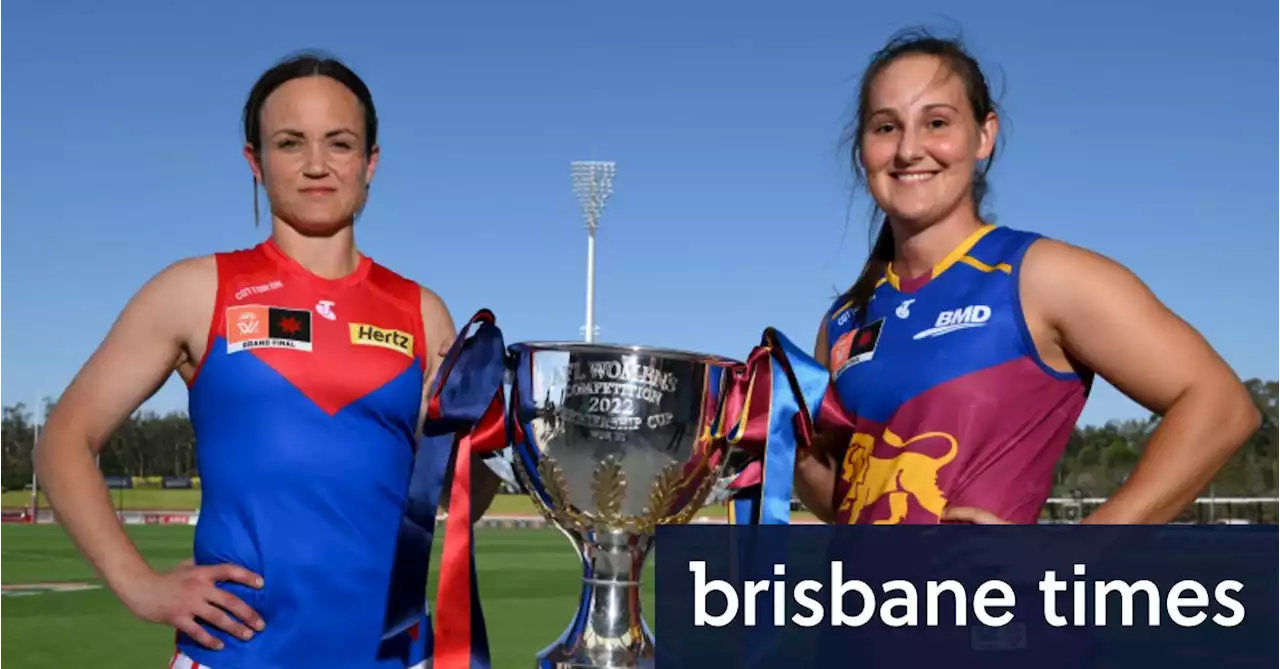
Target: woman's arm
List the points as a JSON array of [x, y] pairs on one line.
[[140, 351], [1099, 313]]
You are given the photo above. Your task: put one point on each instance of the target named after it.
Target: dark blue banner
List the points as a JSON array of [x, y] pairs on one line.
[[959, 596], [119, 482], [177, 483]]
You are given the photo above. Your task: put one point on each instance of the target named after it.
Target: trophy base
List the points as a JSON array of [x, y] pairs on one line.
[[637, 654], [547, 663]]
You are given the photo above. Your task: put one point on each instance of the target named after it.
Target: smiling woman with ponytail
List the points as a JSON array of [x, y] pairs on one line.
[[965, 351]]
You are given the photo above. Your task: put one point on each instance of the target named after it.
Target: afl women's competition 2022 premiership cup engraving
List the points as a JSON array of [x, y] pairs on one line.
[[611, 442]]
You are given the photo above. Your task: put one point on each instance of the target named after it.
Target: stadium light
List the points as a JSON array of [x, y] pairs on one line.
[[592, 184]]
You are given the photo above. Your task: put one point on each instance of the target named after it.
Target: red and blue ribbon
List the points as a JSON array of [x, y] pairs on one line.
[[467, 402]]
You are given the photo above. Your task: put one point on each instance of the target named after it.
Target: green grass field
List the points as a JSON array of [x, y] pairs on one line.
[[529, 580]]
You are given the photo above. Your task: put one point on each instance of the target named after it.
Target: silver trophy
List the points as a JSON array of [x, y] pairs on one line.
[[611, 442]]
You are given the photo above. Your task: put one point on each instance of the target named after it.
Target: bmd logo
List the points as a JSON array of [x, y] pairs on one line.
[[972, 316]]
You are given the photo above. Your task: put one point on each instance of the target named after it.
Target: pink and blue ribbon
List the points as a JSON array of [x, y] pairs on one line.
[[774, 405], [778, 401]]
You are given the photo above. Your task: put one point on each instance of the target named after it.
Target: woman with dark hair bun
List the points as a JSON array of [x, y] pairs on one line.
[[966, 350], [306, 363]]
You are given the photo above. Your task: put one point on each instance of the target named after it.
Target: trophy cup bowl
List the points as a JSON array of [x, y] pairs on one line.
[[611, 442]]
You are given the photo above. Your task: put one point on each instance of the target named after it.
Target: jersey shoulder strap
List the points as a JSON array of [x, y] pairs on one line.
[[246, 272], [1000, 250], [405, 293]]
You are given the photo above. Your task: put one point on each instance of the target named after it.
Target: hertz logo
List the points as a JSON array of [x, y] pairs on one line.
[[364, 334]]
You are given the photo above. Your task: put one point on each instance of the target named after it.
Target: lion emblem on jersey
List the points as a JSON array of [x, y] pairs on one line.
[[910, 474]]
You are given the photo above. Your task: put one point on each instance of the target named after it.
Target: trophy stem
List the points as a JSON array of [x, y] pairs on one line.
[[608, 630]]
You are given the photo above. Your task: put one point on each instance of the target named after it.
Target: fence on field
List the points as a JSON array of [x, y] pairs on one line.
[[1206, 510]]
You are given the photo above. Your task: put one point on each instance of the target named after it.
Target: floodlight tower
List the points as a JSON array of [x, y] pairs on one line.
[[593, 184]]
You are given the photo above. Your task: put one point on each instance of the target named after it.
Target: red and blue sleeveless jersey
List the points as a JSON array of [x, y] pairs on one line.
[[305, 409], [952, 403]]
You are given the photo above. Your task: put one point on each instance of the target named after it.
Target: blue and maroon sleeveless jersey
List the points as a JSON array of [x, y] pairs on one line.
[[305, 409], [953, 405]]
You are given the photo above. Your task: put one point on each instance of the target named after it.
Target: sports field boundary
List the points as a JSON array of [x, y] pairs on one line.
[[190, 518]]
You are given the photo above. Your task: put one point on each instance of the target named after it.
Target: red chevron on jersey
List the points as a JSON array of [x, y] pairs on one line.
[[336, 341]]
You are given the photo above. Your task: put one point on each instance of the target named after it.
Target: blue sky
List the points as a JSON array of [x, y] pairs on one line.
[[1140, 129]]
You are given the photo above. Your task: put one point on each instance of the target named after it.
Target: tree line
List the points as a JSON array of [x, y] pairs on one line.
[[1098, 458]]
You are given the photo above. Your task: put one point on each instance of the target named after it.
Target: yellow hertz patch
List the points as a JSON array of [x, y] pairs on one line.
[[363, 334]]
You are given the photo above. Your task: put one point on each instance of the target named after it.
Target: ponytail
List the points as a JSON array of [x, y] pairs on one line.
[[859, 294]]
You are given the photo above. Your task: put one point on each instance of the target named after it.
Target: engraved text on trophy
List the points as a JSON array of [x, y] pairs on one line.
[[611, 397]]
